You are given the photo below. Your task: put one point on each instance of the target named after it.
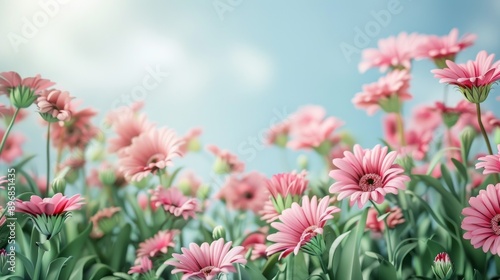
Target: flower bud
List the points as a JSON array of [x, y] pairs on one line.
[[220, 166], [466, 139], [219, 232], [59, 185], [390, 104], [450, 119], [442, 267], [107, 177], [497, 136], [194, 145], [203, 192], [281, 140], [303, 162]]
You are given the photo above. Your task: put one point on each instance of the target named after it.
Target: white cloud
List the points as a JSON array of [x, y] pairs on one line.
[[253, 68]]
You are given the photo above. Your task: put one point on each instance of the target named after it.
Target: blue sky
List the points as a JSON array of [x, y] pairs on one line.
[[228, 66]]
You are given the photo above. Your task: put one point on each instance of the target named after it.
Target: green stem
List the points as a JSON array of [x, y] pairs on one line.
[[401, 129], [323, 266], [48, 158], [4, 139], [39, 258], [485, 135], [289, 267], [386, 233]]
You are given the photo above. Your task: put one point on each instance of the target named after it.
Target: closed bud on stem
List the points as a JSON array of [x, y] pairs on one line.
[[442, 267], [303, 162], [219, 232], [107, 177], [59, 185]]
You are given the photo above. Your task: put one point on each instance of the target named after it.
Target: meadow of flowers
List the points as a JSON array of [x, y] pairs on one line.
[[114, 204]]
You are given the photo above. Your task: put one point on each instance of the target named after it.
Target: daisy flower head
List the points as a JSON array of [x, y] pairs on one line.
[[367, 174], [387, 93], [474, 78], [490, 163], [149, 153], [482, 220], [442, 48], [299, 225], [395, 52], [208, 260]]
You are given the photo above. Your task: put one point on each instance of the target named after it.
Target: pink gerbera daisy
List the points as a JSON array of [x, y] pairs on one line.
[[314, 134], [482, 220], [49, 206], [394, 52], [191, 142], [247, 192], [393, 219], [7, 113], [173, 201], [380, 94], [150, 152], [299, 224], [157, 244], [208, 260], [54, 105], [104, 221], [490, 163], [127, 126], [76, 133], [12, 148], [440, 49], [474, 79], [269, 212], [284, 184], [10, 80], [226, 162], [48, 214], [278, 134], [367, 175], [257, 243], [142, 265]]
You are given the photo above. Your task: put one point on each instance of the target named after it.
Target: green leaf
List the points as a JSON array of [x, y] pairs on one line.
[[79, 267], [119, 252], [251, 272], [437, 158], [445, 174], [121, 275], [55, 268], [98, 271], [349, 266], [74, 249], [31, 183], [433, 214], [334, 247], [172, 176], [462, 170], [300, 267], [23, 162], [28, 265], [385, 269], [402, 252], [269, 266], [452, 206]]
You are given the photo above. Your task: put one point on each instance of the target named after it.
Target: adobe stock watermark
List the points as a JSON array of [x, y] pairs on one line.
[[11, 220], [31, 26], [152, 79], [256, 143], [222, 7], [363, 36]]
